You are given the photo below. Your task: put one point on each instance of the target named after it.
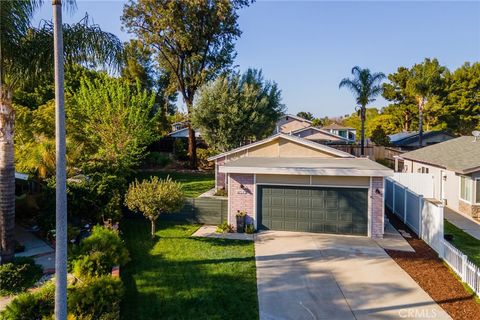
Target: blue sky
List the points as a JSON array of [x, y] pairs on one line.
[[307, 47]]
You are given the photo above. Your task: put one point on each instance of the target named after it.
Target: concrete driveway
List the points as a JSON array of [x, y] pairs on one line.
[[318, 276]]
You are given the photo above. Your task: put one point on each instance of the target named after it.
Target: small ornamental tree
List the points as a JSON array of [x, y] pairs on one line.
[[154, 197]]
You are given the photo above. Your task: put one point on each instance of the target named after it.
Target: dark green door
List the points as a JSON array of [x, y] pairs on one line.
[[308, 209]]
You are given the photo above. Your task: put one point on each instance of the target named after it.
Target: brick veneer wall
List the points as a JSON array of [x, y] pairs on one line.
[[376, 208], [240, 199], [220, 183]]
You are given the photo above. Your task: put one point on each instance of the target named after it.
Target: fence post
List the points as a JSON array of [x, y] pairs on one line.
[[464, 268], [420, 215], [393, 197], [405, 189]]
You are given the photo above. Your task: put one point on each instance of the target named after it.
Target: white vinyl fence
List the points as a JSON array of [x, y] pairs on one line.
[[459, 262], [425, 218], [420, 183]]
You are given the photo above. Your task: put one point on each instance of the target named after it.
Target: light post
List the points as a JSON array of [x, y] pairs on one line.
[[61, 179]]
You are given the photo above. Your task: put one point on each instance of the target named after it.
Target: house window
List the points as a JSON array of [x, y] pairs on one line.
[[466, 189], [477, 189]]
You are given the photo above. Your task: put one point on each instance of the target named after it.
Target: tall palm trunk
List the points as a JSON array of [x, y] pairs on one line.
[[7, 176], [362, 142], [421, 104], [60, 174]]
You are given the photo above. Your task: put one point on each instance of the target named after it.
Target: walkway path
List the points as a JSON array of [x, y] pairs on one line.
[[468, 225], [36, 248]]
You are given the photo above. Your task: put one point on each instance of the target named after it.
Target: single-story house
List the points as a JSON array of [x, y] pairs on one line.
[[289, 123], [339, 130], [410, 140], [183, 133], [455, 166], [319, 135], [285, 182]]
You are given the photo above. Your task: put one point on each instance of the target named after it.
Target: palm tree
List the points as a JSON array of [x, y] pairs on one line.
[[365, 86], [426, 80], [26, 55]]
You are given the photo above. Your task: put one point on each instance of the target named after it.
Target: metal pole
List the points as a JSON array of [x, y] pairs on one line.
[[61, 183]]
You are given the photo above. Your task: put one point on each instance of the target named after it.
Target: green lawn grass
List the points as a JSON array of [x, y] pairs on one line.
[[464, 242], [180, 277], [193, 183]]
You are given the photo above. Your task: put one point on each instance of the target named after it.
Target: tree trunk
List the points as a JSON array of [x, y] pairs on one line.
[[7, 177], [153, 229], [421, 103], [192, 141], [362, 142]]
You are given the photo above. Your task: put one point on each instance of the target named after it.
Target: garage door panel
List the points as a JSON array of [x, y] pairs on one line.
[[313, 209], [291, 202]]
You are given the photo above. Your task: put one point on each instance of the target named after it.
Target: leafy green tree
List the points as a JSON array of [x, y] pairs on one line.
[[26, 54], [425, 81], [191, 40], [306, 115], [384, 121], [154, 197], [237, 108], [380, 137], [365, 86], [404, 107], [461, 106], [140, 66], [112, 119]]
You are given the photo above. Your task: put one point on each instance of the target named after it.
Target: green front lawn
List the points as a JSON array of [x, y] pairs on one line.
[[180, 277], [194, 183], [464, 242]]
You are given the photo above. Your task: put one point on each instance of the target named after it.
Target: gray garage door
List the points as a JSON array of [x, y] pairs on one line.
[[326, 210]]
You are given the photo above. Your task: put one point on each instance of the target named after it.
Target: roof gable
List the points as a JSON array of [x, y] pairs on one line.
[[297, 140], [333, 135], [295, 118]]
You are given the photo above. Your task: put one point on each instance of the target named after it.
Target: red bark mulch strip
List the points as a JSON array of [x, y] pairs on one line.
[[434, 276]]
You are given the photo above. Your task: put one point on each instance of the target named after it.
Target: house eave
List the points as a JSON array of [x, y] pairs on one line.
[[308, 171]]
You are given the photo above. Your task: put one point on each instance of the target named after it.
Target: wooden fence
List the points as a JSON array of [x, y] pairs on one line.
[[201, 210], [373, 152]]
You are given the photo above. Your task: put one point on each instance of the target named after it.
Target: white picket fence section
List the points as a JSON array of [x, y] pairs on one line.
[[420, 183], [468, 272], [425, 218]]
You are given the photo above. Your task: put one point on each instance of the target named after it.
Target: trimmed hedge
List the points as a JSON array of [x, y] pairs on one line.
[[32, 305], [18, 276]]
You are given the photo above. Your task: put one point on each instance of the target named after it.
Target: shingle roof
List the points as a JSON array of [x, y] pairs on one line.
[[461, 154], [310, 165], [413, 137], [335, 126], [321, 131], [295, 117]]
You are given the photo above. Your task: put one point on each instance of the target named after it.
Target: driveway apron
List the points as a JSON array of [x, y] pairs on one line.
[[319, 276]]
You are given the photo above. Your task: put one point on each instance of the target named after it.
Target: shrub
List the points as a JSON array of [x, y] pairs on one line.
[[18, 276], [221, 193], [225, 228], [32, 305], [203, 155], [250, 228], [99, 253], [97, 298], [180, 149], [157, 159]]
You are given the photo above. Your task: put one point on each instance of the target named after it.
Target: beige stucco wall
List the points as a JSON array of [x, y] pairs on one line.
[[280, 148], [313, 180], [291, 150]]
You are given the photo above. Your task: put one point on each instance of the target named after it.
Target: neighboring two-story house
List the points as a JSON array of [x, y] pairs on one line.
[[339, 130]]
